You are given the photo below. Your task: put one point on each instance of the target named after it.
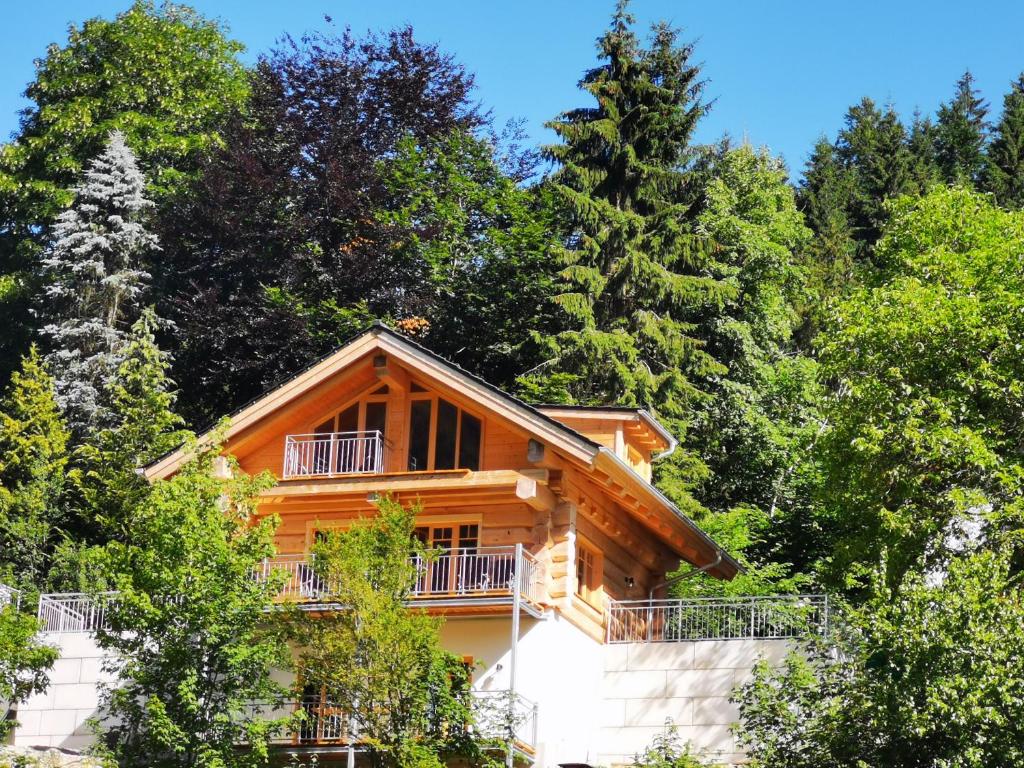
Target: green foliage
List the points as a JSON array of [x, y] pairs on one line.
[[188, 630], [483, 246], [926, 675], [667, 751], [381, 660], [33, 474], [24, 661], [754, 429], [925, 421], [166, 78]]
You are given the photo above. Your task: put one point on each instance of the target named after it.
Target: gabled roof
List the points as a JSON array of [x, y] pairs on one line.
[[379, 338]]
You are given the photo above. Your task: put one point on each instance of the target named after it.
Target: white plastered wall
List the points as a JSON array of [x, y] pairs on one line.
[[559, 668]]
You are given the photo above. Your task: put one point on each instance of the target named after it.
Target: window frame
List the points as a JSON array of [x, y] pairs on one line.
[[591, 593]]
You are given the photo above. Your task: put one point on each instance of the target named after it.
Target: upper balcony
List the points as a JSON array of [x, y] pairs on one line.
[[333, 454], [446, 578]]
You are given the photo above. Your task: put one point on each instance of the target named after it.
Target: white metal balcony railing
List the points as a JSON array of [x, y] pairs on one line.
[[333, 453], [480, 573], [451, 573], [501, 715], [74, 611], [9, 596], [776, 617]]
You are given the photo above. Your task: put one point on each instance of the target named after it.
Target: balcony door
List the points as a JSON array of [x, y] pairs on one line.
[[451, 569], [353, 438]]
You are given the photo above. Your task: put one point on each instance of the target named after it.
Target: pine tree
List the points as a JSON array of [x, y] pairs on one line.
[[1004, 167], [635, 273], [960, 134], [33, 469], [94, 269]]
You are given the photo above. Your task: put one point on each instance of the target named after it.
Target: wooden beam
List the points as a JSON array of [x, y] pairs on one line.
[[536, 495]]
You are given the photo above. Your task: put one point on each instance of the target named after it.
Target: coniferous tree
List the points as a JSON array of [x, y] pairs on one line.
[[636, 275], [960, 134], [33, 474], [825, 196], [921, 144], [145, 428], [874, 145], [95, 280], [1004, 168]]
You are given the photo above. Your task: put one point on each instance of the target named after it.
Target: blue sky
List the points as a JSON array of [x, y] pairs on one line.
[[781, 72]]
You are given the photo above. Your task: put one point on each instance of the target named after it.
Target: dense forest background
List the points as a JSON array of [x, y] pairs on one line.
[[837, 346]]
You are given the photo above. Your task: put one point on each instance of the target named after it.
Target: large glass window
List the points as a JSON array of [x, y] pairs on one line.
[[442, 436]]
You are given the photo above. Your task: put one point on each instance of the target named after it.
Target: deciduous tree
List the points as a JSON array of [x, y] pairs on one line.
[[188, 632], [380, 660]]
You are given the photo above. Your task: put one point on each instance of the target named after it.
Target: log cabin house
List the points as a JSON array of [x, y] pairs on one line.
[[546, 518]]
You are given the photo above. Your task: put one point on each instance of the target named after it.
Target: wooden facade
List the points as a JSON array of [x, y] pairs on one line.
[[570, 485]]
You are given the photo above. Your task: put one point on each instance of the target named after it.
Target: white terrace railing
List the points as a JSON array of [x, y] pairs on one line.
[[9, 596], [500, 715], [476, 572], [328, 454], [776, 617], [485, 574]]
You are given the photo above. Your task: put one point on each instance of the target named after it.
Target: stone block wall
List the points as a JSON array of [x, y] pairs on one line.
[[58, 718], [646, 686]]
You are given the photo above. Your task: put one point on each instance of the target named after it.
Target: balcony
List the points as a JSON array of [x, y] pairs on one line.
[[331, 454], [481, 577], [501, 716], [445, 578]]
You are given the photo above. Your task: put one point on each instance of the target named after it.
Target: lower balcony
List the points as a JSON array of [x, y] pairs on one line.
[[502, 717]]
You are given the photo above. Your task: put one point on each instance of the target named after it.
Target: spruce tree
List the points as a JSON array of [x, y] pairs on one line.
[[921, 144], [825, 196], [874, 145], [95, 281], [960, 134], [635, 273], [1004, 167], [33, 473]]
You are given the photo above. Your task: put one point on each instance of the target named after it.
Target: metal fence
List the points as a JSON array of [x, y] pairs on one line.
[[506, 716], [776, 617], [333, 453]]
